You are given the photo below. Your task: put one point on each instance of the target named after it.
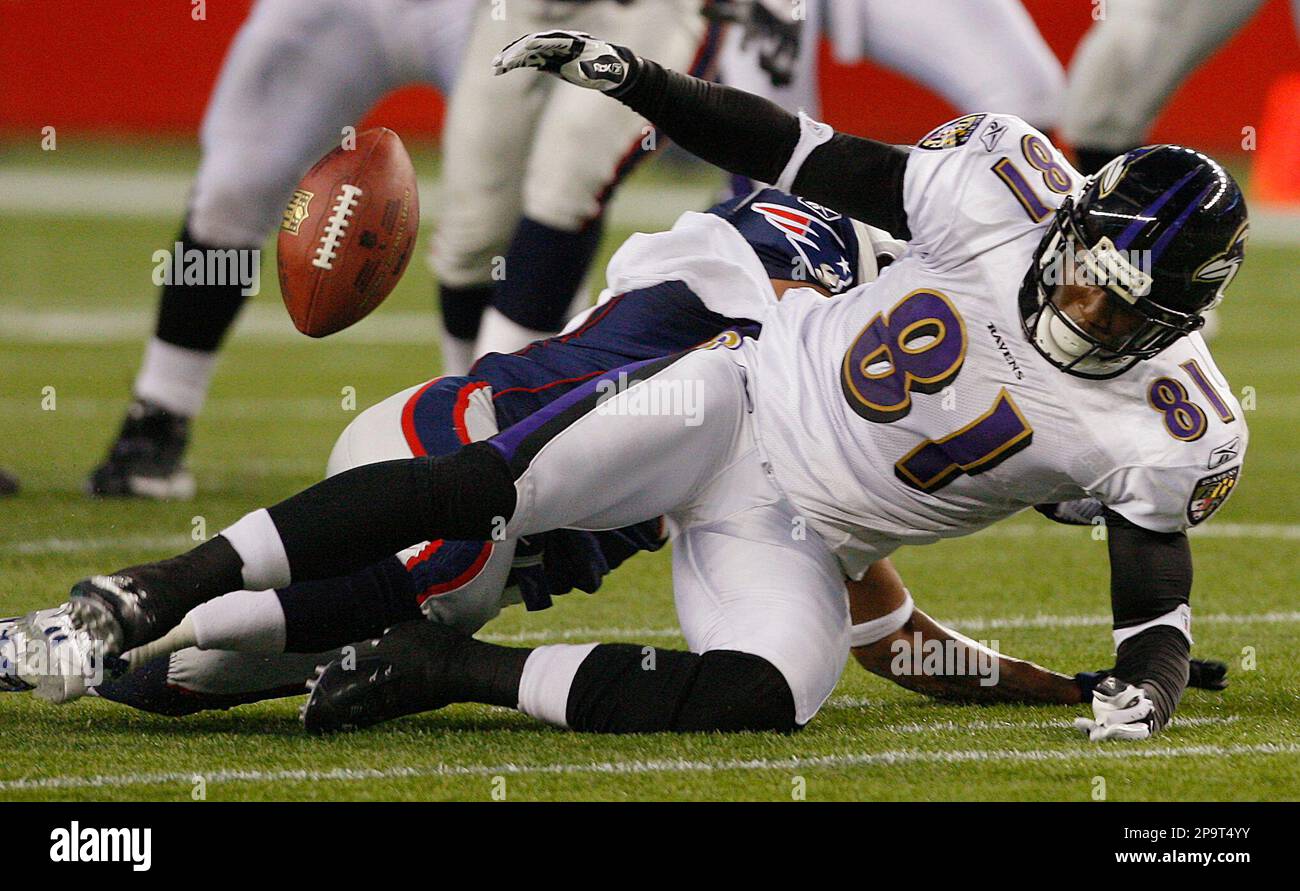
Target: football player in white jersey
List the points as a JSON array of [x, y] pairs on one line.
[[667, 292], [295, 76], [1037, 342], [528, 171]]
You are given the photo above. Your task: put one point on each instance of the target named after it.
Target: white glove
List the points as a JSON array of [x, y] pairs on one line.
[[1119, 711], [579, 58]]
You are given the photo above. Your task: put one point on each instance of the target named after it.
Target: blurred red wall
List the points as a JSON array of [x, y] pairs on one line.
[[144, 66]]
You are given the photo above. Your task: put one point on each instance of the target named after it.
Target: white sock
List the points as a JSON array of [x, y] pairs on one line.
[[499, 334], [179, 638], [244, 621], [458, 355], [257, 542], [548, 675], [175, 377]]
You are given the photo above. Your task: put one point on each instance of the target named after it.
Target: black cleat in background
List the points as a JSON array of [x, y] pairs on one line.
[[397, 675]]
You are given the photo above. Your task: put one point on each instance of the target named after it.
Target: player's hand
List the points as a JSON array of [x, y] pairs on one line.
[[1207, 674], [1080, 512], [579, 58], [1119, 711]]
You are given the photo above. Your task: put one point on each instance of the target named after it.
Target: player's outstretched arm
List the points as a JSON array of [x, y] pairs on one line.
[[735, 130], [888, 629], [1150, 586]]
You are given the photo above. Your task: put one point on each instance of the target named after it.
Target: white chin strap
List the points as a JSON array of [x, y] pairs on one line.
[[1055, 338]]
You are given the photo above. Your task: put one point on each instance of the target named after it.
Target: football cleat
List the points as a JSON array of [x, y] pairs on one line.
[[145, 460], [117, 611], [50, 657], [10, 682], [8, 486], [393, 676]]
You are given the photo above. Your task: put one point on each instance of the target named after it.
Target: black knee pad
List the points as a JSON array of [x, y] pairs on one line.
[[738, 691], [624, 688]]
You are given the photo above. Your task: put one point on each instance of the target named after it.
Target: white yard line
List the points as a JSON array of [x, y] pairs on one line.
[[59, 545], [150, 195], [1118, 752], [1284, 531], [136, 194], [1064, 724], [41, 546], [259, 323], [965, 625]]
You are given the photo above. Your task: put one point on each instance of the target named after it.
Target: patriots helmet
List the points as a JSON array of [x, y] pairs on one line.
[[1154, 238]]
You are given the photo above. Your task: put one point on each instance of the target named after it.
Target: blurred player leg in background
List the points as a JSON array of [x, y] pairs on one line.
[[771, 53], [1129, 64], [8, 485], [288, 86], [528, 169], [980, 55]]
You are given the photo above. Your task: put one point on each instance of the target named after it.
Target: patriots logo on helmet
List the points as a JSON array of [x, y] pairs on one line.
[[811, 238]]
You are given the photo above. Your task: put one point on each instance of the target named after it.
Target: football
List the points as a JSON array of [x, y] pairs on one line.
[[348, 233]]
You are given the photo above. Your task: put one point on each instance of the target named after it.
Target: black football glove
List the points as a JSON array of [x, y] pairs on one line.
[[1080, 512], [1204, 674]]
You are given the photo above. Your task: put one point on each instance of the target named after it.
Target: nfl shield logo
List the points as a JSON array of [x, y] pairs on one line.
[[297, 211]]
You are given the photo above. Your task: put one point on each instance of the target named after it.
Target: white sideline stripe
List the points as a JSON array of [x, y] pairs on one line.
[[138, 194], [623, 768], [127, 194], [261, 323]]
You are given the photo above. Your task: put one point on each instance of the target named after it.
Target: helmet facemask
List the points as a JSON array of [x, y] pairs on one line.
[[1086, 306]]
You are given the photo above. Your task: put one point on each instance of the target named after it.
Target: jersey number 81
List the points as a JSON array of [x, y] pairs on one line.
[[919, 346]]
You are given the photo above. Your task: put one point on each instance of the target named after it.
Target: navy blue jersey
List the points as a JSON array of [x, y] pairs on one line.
[[643, 324]]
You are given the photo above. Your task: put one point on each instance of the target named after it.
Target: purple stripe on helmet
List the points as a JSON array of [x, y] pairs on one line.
[[1176, 226], [1147, 214]]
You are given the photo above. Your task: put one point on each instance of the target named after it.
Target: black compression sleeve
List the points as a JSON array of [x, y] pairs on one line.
[[363, 515], [860, 178], [330, 613], [1150, 572], [1150, 576], [749, 135], [1158, 660], [735, 130], [623, 688]]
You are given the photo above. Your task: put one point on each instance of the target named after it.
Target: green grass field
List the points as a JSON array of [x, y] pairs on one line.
[[75, 307]]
